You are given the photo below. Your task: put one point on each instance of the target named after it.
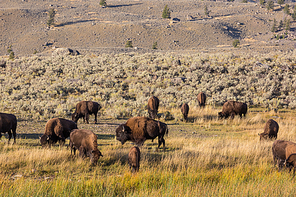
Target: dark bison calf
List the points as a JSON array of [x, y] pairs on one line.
[[57, 129], [134, 157], [138, 129], [185, 110], [201, 98], [271, 129], [284, 153], [232, 108], [84, 109], [86, 142], [8, 123], [153, 104]]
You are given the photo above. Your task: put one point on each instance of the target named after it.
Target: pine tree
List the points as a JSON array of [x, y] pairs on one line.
[[207, 11], [287, 9], [51, 15], [270, 5], [103, 3], [166, 13], [262, 2], [287, 25], [128, 44], [281, 2], [281, 25], [273, 28], [235, 43], [154, 46]]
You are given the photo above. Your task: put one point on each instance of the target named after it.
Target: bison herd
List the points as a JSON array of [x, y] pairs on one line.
[[138, 130]]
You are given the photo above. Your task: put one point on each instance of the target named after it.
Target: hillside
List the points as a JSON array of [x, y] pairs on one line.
[[85, 26]]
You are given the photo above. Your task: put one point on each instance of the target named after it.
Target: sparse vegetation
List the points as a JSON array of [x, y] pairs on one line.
[[166, 13], [287, 9], [274, 27], [51, 17], [262, 2], [287, 25], [244, 1], [281, 2], [10, 52]]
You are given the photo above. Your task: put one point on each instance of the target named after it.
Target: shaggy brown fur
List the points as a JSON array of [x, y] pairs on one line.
[[86, 142], [281, 151], [8, 123], [138, 129], [84, 109], [232, 108], [201, 98], [185, 110], [271, 129], [153, 104], [57, 129], [134, 157]]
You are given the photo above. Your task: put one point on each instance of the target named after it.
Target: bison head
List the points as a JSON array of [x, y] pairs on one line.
[[123, 133], [45, 140], [95, 156], [291, 162], [263, 136], [75, 117]]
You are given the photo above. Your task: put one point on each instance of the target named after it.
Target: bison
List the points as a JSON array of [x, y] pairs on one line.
[[271, 129], [185, 110], [57, 129], [201, 98], [86, 142], [84, 109], [283, 152], [138, 129], [153, 104], [8, 123], [232, 108], [134, 157]]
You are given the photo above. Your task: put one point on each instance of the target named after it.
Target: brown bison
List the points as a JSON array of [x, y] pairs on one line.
[[86, 142], [57, 129], [232, 108], [201, 98], [134, 157], [185, 110], [271, 129], [8, 123], [283, 153], [138, 129], [84, 109], [153, 104]]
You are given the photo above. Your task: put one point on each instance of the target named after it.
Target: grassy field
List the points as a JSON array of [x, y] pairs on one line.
[[204, 157]]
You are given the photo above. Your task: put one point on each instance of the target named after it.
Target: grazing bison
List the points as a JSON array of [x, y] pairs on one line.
[[86, 142], [232, 108], [201, 98], [271, 129], [282, 153], [8, 123], [57, 129], [138, 129], [84, 109], [185, 110], [153, 104], [134, 157]]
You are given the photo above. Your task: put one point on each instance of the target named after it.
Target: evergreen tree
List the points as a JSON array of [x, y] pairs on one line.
[[51, 15], [128, 44], [235, 43], [287, 9], [281, 25], [207, 11], [287, 25], [166, 13], [262, 2], [273, 28], [270, 5], [154, 46], [281, 2], [103, 3]]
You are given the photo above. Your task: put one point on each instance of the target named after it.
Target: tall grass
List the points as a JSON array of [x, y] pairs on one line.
[[208, 157]]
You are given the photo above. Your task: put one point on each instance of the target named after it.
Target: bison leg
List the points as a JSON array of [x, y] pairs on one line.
[[96, 118], [161, 141], [9, 136], [86, 117]]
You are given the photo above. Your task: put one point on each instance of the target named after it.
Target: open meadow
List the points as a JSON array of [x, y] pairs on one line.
[[205, 156], [208, 157]]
